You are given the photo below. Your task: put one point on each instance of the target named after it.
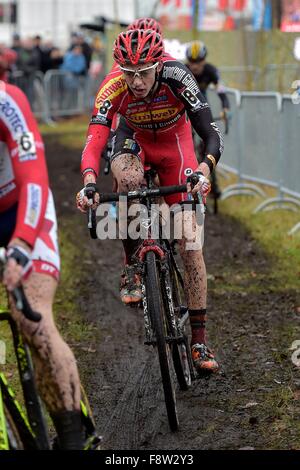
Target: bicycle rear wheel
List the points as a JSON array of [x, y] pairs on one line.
[[154, 303]]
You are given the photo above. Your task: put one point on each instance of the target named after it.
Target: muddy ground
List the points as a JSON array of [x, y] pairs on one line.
[[254, 402]]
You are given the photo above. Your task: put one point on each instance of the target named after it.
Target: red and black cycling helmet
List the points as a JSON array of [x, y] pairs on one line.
[[138, 47], [146, 23]]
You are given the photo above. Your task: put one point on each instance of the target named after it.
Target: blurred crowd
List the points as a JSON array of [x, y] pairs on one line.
[[33, 54]]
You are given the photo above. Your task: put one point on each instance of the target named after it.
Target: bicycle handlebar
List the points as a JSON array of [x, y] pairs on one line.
[[137, 194], [143, 193], [20, 298]]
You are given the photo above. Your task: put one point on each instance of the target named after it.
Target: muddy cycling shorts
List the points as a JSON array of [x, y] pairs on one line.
[[171, 154], [45, 254]]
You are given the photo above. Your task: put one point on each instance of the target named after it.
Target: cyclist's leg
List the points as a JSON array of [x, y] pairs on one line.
[[181, 162], [55, 366], [128, 171]]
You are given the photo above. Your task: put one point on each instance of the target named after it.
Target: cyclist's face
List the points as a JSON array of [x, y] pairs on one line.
[[141, 78], [197, 67]]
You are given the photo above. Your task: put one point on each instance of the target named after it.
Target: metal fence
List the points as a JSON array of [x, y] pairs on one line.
[[263, 147], [57, 93], [241, 77], [273, 77]]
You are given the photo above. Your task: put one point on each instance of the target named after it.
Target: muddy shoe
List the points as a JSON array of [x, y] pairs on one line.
[[203, 359], [130, 286]]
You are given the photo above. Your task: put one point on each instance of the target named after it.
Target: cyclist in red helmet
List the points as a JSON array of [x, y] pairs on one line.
[[158, 100], [141, 23], [146, 23]]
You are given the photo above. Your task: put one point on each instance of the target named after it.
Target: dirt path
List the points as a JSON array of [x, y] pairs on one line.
[[253, 403]]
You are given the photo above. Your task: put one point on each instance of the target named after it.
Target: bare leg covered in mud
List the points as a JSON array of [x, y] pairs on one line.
[[195, 282], [55, 365], [129, 174]]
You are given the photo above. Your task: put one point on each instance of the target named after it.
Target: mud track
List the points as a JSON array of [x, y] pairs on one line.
[[248, 404]]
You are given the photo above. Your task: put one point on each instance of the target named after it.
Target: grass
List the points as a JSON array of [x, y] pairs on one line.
[[68, 132], [269, 229]]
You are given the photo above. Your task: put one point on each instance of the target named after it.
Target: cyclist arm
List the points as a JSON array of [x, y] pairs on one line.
[[220, 88], [26, 150], [105, 108], [185, 87]]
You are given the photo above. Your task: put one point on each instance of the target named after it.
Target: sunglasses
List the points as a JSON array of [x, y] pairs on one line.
[[141, 73]]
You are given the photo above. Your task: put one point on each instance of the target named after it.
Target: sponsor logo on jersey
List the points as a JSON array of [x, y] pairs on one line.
[[88, 140], [7, 189], [160, 98], [34, 203], [99, 119], [136, 103], [155, 115], [176, 72], [28, 157], [12, 118], [110, 90], [215, 127], [47, 268]]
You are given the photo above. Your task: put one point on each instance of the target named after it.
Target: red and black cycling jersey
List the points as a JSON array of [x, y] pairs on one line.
[[23, 172], [175, 103], [210, 74]]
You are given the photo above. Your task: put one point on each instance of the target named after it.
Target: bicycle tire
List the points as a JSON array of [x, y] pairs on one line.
[[180, 351], [154, 304]]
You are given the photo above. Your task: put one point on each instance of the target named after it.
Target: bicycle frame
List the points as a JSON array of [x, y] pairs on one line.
[[163, 252], [33, 424]]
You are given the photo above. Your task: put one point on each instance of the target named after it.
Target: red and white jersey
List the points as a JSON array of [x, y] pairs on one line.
[[175, 104], [23, 171]]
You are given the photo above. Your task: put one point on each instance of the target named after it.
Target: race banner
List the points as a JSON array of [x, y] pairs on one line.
[[290, 17]]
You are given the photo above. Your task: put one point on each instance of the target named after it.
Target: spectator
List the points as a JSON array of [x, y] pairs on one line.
[[16, 43], [8, 59], [78, 40], [41, 53], [74, 61], [28, 60], [55, 59]]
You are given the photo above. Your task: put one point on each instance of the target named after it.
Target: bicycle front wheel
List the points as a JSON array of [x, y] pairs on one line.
[[155, 307], [181, 351]]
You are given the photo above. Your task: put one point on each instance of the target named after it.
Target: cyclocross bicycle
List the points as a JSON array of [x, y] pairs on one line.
[[164, 306], [27, 429]]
